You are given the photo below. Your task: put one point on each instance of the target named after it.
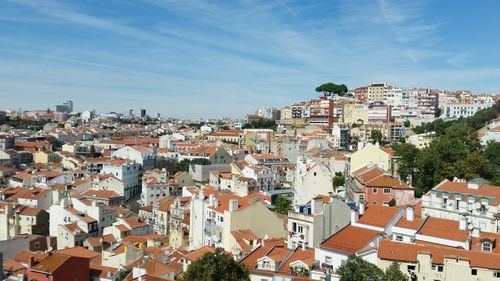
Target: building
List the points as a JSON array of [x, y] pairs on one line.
[[374, 186], [321, 112], [475, 202], [461, 110], [144, 155], [213, 218], [353, 113], [376, 92], [312, 178], [309, 224], [126, 171], [373, 154], [59, 267]]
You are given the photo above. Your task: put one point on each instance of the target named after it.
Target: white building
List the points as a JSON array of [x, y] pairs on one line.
[[461, 110], [475, 201], [312, 178], [144, 155], [126, 171], [264, 176], [312, 223]]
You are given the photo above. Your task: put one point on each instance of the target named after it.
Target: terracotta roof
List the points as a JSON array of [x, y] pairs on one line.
[[414, 224], [306, 256], [486, 190], [13, 267], [404, 252], [196, 254], [379, 216], [79, 252], [24, 256], [101, 194], [350, 239], [443, 228], [51, 263], [101, 271]]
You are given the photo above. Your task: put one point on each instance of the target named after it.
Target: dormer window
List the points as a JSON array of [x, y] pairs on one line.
[[486, 246]]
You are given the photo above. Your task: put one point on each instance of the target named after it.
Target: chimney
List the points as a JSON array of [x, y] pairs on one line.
[[410, 213], [354, 216], [303, 246], [233, 204], [31, 261], [201, 195], [462, 223], [317, 205], [361, 208], [211, 200]]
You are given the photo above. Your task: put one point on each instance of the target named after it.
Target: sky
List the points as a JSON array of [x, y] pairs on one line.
[[211, 59]]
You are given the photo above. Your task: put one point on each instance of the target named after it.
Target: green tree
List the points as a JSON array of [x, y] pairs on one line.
[[407, 166], [492, 154], [357, 269], [394, 273], [92, 151], [331, 88], [376, 136], [337, 181], [407, 123], [214, 267], [183, 165], [282, 205]]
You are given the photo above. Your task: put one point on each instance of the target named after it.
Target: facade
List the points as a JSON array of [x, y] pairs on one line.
[[128, 172], [309, 224], [475, 201]]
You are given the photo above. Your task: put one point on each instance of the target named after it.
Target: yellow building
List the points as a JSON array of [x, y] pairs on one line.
[[352, 113]]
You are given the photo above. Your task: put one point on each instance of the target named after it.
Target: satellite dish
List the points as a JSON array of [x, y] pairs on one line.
[[372, 244], [470, 226]]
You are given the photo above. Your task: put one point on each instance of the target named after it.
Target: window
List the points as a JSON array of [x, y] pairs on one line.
[[410, 267], [399, 238], [473, 272], [300, 229], [294, 226], [486, 247], [328, 260], [438, 268], [374, 202], [496, 274], [314, 173], [387, 190], [374, 190]]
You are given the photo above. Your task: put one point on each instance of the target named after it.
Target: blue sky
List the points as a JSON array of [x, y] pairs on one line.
[[188, 58]]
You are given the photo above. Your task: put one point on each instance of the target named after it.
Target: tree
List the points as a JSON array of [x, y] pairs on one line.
[[394, 273], [337, 181], [282, 205], [492, 154], [408, 163], [392, 203], [376, 136], [407, 124], [214, 267], [329, 89], [183, 165], [357, 269], [92, 151]]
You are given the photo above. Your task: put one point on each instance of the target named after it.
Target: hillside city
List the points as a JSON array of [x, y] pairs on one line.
[[378, 181]]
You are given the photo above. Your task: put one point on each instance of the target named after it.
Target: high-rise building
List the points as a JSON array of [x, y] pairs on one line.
[[66, 107], [143, 113]]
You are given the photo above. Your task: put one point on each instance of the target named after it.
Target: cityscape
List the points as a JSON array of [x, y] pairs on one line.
[[339, 175]]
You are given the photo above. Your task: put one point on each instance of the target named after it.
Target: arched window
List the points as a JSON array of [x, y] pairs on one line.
[[487, 246]]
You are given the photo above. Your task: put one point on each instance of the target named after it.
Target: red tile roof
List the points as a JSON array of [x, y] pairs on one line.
[[404, 252], [443, 228], [350, 239]]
